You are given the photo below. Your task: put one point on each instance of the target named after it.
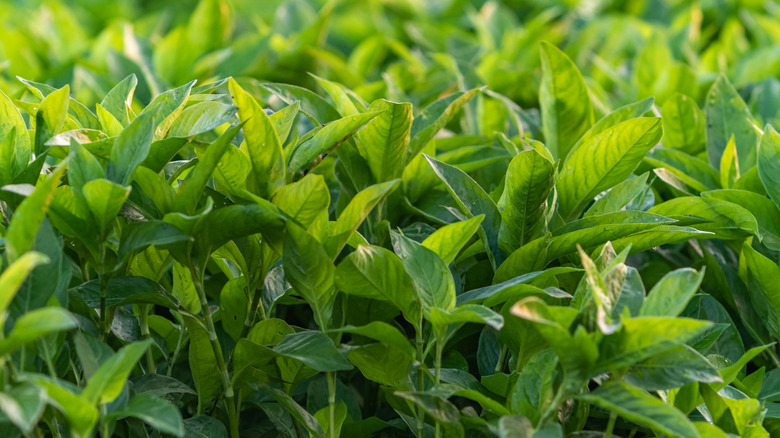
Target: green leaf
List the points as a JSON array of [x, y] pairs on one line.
[[28, 216], [763, 288], [353, 215], [91, 352], [107, 382], [156, 188], [16, 150], [472, 200], [50, 117], [166, 107], [203, 426], [23, 404], [312, 105], [769, 163], [630, 111], [202, 362], [283, 120], [726, 220], [305, 200], [433, 118], [162, 151], [159, 413], [577, 353], [475, 313], [298, 413], [184, 289], [587, 232], [83, 167], [131, 148], [684, 127], [34, 324], [529, 179], [603, 161], [310, 272], [108, 123], [129, 290], [339, 415], [200, 118], [692, 171], [104, 199], [564, 101], [376, 273], [82, 415], [763, 209], [117, 101], [641, 408], [139, 235], [315, 349], [672, 369], [14, 276], [727, 115], [430, 276], [642, 337], [384, 141], [617, 197], [672, 293], [729, 167], [262, 142], [383, 364], [233, 305], [484, 293], [191, 190], [533, 392], [444, 412], [449, 240], [346, 101], [308, 152], [384, 333]]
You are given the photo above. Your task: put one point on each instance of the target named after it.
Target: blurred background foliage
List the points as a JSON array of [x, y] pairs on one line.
[[402, 49]]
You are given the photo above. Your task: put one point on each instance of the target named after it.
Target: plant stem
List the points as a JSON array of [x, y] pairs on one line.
[[103, 279], [437, 366], [255, 305], [150, 364], [420, 379], [47, 358], [611, 425], [501, 359], [197, 280], [331, 376], [104, 432], [177, 350], [553, 408]]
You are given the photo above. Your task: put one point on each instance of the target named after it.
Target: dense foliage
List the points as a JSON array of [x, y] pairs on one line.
[[389, 218]]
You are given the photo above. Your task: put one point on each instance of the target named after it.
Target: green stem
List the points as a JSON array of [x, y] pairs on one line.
[[553, 408], [105, 327], [420, 379], [197, 279], [47, 358], [437, 366], [611, 425], [144, 322], [501, 359], [331, 376], [104, 430], [177, 350], [255, 305]]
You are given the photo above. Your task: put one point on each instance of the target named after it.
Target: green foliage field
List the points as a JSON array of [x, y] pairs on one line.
[[450, 218]]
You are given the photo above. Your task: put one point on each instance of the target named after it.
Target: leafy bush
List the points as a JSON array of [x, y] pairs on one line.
[[441, 232]]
